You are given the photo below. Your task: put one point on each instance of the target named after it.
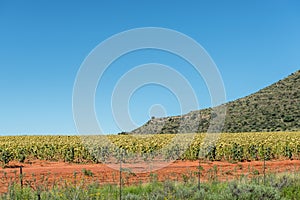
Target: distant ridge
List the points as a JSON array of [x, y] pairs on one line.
[[274, 108]]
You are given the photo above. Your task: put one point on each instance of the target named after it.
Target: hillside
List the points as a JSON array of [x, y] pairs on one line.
[[274, 108]]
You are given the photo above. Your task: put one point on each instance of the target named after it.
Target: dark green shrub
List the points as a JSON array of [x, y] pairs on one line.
[[87, 172], [69, 154], [288, 119], [288, 152], [253, 151], [5, 156], [237, 152], [21, 155]]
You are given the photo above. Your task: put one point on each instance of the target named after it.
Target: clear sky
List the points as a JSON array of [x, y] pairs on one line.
[[43, 43]]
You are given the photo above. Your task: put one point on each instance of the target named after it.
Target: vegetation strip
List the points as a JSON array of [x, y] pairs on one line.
[[229, 147]]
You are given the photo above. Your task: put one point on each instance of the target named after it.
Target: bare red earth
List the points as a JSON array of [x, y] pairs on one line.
[[51, 173]]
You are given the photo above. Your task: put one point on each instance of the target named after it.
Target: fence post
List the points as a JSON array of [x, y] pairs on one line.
[[121, 158], [199, 175], [21, 177], [264, 169]]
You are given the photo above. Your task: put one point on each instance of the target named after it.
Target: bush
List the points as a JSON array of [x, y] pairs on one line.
[[253, 191], [237, 152], [5, 156], [132, 197]]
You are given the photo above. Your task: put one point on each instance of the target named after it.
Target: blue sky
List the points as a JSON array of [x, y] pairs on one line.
[[43, 43]]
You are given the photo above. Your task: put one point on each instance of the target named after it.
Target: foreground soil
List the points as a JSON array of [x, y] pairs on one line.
[[45, 173]]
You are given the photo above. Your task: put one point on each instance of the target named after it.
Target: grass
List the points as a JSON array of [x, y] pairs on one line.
[[277, 186]]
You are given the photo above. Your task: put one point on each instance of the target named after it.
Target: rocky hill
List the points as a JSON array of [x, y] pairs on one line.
[[274, 108]]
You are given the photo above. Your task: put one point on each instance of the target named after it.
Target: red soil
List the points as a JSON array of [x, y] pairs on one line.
[[51, 173]]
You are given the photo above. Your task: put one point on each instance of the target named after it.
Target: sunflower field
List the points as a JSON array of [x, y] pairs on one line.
[[99, 149]]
